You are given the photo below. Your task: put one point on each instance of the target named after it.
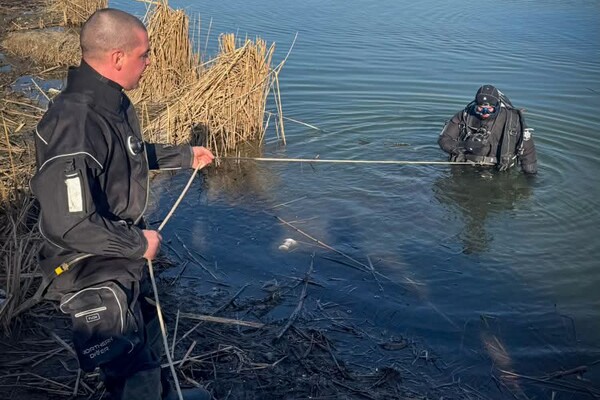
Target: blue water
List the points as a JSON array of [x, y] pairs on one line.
[[472, 257]]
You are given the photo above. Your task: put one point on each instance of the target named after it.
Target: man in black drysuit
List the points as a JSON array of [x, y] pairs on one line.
[[490, 131], [92, 185]]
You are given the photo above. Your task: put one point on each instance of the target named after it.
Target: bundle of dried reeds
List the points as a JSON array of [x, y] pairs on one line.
[[226, 106], [45, 47], [174, 65], [76, 12]]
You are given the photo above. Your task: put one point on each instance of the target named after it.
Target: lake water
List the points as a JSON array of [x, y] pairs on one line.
[[486, 270]]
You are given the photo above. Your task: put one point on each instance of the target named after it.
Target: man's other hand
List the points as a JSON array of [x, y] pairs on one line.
[[153, 238]]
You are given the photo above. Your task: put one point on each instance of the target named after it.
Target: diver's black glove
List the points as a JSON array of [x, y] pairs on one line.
[[505, 163], [530, 169], [458, 155]]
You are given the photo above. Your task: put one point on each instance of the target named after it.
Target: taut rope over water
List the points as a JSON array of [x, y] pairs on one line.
[[319, 160]]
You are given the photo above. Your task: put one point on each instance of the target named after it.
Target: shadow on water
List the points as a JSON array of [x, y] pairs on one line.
[[477, 194]]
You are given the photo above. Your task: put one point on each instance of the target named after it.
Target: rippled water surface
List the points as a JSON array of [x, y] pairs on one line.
[[486, 269]]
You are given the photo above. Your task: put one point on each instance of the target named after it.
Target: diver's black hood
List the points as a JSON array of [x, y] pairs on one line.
[[488, 94]]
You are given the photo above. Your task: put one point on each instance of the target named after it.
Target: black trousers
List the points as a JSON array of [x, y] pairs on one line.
[[115, 328]]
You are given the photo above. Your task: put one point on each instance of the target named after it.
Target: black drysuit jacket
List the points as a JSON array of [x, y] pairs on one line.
[[460, 134], [92, 182]]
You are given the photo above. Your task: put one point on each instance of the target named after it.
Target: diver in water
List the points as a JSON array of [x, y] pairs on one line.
[[490, 131]]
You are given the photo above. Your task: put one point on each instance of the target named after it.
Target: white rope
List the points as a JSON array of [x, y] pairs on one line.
[[185, 189], [154, 288], [163, 331], [319, 160]]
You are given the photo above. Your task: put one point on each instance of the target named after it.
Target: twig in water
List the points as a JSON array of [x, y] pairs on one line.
[[187, 353], [220, 320], [196, 260], [223, 307], [201, 356], [560, 374], [183, 268], [175, 335], [289, 202], [300, 304], [372, 269], [296, 121]]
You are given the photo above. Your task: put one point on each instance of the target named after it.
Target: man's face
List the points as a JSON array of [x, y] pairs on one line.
[[135, 61], [485, 110]]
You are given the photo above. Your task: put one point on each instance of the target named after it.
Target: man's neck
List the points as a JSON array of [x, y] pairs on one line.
[[101, 68]]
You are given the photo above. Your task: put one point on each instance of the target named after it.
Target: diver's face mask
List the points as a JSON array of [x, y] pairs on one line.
[[485, 110]]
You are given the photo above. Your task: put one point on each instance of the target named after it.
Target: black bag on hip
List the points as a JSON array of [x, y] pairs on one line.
[[107, 322]]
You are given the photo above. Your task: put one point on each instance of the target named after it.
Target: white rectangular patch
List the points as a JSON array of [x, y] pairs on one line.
[[74, 195]]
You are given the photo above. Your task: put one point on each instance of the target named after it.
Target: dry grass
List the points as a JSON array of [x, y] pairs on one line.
[[18, 234], [226, 106], [173, 63], [16, 153], [44, 47], [18, 257], [75, 12]]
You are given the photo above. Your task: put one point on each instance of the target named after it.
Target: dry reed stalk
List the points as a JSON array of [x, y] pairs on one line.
[[226, 106], [173, 64], [10, 151], [75, 12], [15, 164], [45, 47], [18, 258]]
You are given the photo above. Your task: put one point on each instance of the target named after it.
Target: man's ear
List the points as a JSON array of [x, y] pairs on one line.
[[116, 59]]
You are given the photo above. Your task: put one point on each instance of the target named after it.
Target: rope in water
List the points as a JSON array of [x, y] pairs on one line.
[[319, 160]]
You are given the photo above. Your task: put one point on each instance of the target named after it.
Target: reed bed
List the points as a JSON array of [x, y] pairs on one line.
[[75, 12], [16, 150], [173, 63], [226, 106], [47, 48], [18, 254], [19, 237]]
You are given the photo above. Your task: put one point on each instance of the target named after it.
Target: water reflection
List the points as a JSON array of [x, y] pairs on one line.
[[237, 181], [478, 193]]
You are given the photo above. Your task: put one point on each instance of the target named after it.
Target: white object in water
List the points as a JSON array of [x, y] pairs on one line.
[[288, 244]]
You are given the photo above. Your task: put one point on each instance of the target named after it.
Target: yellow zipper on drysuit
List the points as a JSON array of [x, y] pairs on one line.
[[66, 265]]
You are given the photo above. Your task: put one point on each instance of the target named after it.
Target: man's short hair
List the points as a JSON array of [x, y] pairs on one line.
[[109, 29]]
